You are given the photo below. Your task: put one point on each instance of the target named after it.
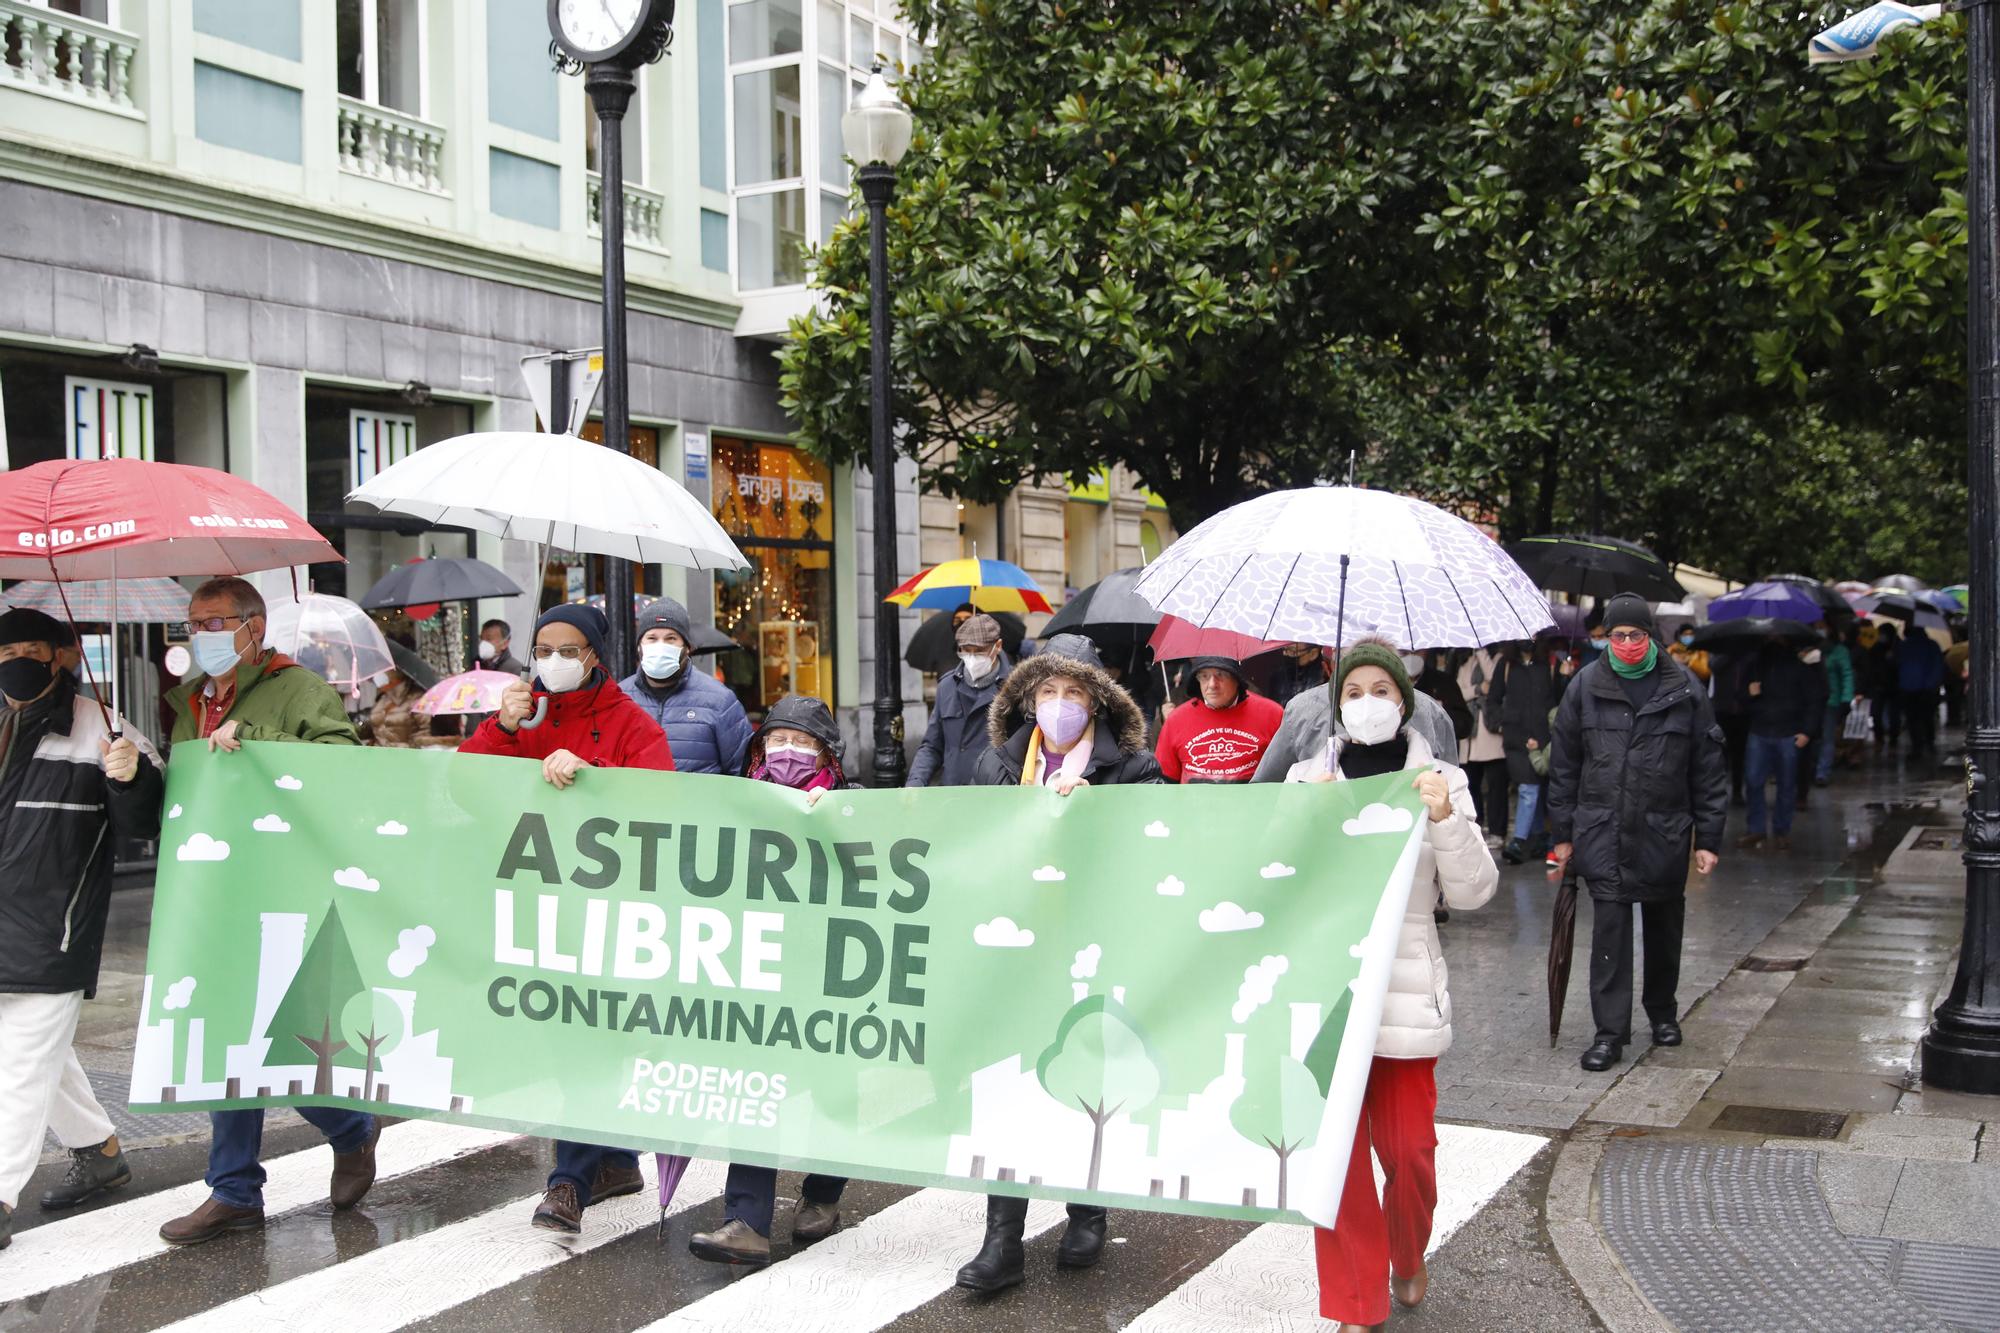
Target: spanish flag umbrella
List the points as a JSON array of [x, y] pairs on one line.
[[990, 585]]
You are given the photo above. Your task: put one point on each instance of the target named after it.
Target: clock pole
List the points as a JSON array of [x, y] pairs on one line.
[[610, 86]]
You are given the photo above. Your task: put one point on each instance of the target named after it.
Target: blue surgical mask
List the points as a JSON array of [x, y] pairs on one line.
[[659, 660], [215, 651]]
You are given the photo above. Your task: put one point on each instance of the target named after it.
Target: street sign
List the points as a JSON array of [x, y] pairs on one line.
[[568, 378], [695, 454]]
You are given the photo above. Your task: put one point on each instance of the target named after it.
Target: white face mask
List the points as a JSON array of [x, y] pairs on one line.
[[560, 675], [487, 652], [1810, 657], [659, 660], [978, 666], [1414, 664], [1371, 719]]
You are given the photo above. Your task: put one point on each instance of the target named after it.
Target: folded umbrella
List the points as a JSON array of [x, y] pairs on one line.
[[1594, 566], [1768, 600], [990, 585], [1108, 613], [424, 582], [130, 601], [934, 647], [672, 1166], [1562, 947]]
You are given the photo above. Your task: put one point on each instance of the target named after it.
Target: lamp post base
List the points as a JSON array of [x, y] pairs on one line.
[[1962, 1058]]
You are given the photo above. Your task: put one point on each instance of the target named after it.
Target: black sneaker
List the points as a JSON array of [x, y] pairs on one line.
[[92, 1171]]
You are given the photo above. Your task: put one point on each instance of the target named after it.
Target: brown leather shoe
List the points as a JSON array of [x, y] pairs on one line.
[[354, 1172], [616, 1181], [209, 1221], [814, 1222], [731, 1243], [1409, 1291], [559, 1210]]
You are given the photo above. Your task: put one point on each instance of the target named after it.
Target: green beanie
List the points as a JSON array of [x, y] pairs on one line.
[[1375, 655]]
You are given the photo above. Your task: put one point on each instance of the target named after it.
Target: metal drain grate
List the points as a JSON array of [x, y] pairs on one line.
[[1781, 1122]]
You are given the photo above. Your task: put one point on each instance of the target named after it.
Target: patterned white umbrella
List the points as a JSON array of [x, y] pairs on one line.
[[1330, 564]]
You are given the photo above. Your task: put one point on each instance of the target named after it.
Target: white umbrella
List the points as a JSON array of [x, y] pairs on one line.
[[556, 491], [329, 636], [1329, 564]]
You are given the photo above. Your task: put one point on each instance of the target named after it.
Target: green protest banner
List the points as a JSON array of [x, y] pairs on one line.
[[1158, 997]]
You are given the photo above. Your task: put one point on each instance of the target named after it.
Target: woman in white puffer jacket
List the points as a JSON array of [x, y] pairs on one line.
[[1378, 1246]]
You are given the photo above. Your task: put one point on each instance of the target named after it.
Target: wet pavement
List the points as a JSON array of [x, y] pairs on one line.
[[1805, 984]]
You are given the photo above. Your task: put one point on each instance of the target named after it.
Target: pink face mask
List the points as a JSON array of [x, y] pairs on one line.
[[1061, 722], [790, 768]]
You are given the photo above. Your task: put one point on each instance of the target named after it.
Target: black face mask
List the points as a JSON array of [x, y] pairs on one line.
[[23, 678]]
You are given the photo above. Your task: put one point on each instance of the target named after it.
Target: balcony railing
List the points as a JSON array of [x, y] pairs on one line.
[[61, 55], [645, 213], [390, 146]]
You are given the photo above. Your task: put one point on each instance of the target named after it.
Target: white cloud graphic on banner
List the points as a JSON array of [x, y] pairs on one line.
[[288, 783], [354, 877], [174, 813], [1049, 875], [1157, 830], [201, 847], [179, 994], [1260, 979], [1225, 917], [1377, 818], [1278, 870], [393, 829], [413, 946], [271, 824], [1085, 965], [1002, 933], [1170, 887]]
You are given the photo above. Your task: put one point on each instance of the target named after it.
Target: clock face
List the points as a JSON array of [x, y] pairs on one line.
[[597, 25]]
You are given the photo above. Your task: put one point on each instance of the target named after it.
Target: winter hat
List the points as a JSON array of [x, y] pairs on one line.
[[1075, 647], [27, 625], [1198, 665], [1375, 653], [666, 613], [1629, 610], [586, 620], [981, 631]]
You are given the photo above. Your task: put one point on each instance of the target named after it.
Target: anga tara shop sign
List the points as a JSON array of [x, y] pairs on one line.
[[1154, 996]]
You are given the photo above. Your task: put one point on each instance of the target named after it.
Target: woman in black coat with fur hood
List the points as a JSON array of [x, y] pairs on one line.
[[1060, 721]]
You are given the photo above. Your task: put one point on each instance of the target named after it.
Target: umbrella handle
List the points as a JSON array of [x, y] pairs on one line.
[[536, 718]]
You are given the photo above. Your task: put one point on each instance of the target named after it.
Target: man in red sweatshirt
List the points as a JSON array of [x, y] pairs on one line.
[[591, 723], [1220, 736]]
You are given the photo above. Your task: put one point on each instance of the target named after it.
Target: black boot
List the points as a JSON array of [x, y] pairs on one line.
[[998, 1265], [1083, 1238]]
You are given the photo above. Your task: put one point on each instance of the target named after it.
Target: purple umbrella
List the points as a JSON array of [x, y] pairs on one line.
[[1569, 620], [672, 1167], [1772, 600]]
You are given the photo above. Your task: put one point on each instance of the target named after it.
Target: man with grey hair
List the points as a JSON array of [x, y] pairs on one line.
[[247, 692], [957, 734]]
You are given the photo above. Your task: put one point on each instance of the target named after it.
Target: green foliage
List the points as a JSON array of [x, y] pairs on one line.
[[1101, 1063], [1620, 266], [1279, 1109], [310, 1013], [372, 1024]]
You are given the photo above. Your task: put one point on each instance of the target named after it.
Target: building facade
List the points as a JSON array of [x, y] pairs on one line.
[[296, 239]]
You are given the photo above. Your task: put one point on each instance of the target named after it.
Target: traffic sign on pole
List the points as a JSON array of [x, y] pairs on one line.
[[569, 379]]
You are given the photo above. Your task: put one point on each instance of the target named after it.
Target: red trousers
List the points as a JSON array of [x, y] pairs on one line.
[[1399, 1121]]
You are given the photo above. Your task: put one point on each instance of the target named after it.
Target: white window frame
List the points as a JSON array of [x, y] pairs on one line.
[[110, 12], [371, 71]]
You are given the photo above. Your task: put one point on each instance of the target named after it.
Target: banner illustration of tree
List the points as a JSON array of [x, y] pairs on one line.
[[1094, 999]]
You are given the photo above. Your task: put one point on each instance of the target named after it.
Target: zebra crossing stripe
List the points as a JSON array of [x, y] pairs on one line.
[[859, 1278], [399, 1284], [1266, 1282], [99, 1241]]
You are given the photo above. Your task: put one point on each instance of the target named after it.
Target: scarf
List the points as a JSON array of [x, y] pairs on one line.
[[1073, 763], [1639, 668]]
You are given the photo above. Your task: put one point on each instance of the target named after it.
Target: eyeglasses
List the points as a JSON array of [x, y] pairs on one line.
[[1629, 636], [214, 624], [569, 652]]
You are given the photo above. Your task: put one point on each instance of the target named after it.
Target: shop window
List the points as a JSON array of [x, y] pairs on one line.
[[1151, 543], [777, 503], [349, 437], [62, 406]]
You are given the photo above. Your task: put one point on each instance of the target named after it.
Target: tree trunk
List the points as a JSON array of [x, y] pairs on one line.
[[1097, 1119], [371, 1041], [1284, 1158]]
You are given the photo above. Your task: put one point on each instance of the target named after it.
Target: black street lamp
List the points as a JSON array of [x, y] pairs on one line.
[[876, 133], [609, 42]]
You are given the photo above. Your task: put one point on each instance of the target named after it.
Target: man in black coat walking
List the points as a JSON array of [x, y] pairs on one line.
[[1637, 778], [956, 736]]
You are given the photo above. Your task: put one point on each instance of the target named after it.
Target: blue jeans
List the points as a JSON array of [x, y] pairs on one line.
[[750, 1194], [1528, 811], [1769, 757], [578, 1163], [236, 1139], [1829, 737]]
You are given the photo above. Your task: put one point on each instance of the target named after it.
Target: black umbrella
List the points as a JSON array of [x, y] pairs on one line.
[[1108, 612], [1562, 948], [709, 639], [1590, 566], [934, 647], [420, 672], [1901, 606], [1745, 632], [421, 582], [1826, 598]]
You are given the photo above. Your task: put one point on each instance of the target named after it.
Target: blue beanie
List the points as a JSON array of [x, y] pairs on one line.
[[586, 620]]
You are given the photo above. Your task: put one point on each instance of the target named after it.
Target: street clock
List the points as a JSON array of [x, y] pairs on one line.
[[629, 33]]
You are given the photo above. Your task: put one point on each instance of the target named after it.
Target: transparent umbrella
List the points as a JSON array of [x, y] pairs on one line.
[[330, 636]]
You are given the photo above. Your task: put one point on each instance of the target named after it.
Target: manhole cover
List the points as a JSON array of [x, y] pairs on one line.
[[1772, 964], [1940, 840], [1781, 1122]]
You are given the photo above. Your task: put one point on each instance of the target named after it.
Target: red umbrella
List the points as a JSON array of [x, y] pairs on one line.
[[1176, 639], [100, 518]]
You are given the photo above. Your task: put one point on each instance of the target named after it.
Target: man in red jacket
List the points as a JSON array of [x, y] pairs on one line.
[[590, 724], [1220, 736]]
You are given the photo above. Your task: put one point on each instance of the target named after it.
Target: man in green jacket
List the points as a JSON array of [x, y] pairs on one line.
[[1839, 665], [248, 692]]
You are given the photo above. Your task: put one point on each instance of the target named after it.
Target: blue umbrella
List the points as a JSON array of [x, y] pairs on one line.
[[1943, 601], [1771, 599]]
